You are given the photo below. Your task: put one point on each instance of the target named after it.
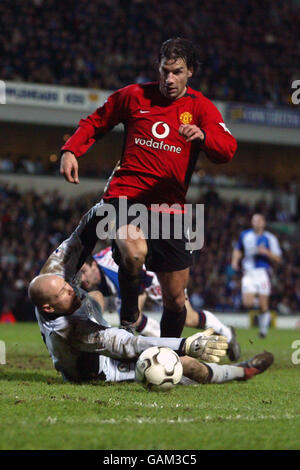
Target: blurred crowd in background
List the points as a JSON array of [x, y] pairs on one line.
[[249, 49], [24, 164], [31, 227]]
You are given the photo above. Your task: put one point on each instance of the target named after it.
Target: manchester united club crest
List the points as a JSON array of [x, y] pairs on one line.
[[186, 118]]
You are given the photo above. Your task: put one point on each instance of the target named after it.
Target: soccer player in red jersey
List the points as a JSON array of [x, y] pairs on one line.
[[167, 124]]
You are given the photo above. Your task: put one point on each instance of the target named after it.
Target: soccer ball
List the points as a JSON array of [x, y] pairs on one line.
[[158, 369]]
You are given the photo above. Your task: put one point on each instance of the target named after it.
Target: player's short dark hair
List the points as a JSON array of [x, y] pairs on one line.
[[180, 48], [89, 260]]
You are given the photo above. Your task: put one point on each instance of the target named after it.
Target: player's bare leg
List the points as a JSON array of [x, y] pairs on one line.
[[133, 253], [146, 325], [192, 316], [264, 317], [173, 285], [204, 373], [194, 370], [248, 299]]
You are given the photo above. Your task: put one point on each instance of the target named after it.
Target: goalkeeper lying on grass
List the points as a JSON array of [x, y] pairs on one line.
[[84, 347]]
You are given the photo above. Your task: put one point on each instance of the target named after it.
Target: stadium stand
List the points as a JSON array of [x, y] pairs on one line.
[[249, 55]]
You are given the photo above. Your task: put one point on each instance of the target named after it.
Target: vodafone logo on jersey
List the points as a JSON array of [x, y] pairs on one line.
[[160, 130], [165, 132]]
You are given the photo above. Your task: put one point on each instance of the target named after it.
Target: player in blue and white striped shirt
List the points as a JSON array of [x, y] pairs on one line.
[[257, 249]]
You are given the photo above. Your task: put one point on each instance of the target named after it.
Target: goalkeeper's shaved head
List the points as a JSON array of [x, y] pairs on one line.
[[51, 294], [40, 288]]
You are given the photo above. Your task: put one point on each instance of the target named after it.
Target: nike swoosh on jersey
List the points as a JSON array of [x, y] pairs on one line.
[[141, 111]]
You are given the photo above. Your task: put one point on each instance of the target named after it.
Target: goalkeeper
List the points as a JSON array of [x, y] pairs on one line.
[[84, 347]]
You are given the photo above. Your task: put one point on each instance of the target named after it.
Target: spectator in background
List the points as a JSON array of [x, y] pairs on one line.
[[283, 306], [235, 37], [196, 300], [211, 196], [7, 315], [296, 295], [6, 165]]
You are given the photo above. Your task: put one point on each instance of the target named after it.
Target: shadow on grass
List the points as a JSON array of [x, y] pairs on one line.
[[29, 376], [25, 376]]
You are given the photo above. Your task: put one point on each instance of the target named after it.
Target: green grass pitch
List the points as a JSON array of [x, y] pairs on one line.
[[39, 411]]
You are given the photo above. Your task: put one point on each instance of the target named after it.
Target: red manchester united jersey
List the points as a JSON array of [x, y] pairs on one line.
[[157, 162]]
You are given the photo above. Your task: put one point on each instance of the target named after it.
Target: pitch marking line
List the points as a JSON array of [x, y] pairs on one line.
[[179, 419]]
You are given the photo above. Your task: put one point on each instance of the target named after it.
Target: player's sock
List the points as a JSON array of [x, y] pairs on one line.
[[172, 323], [148, 327], [224, 373], [201, 320], [129, 290], [264, 320], [209, 320]]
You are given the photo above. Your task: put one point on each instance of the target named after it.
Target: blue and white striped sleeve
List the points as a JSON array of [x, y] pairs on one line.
[[274, 245]]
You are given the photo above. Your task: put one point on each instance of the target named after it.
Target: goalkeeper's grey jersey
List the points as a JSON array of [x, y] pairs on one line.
[[73, 341]]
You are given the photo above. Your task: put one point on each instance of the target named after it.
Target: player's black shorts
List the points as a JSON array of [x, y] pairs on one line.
[[164, 254]]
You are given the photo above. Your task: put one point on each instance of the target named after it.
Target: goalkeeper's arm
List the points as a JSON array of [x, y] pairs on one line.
[[70, 255], [68, 258]]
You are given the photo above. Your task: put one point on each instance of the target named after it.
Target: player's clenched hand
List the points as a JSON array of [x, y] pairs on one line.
[[69, 167], [206, 346], [191, 132], [235, 266]]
